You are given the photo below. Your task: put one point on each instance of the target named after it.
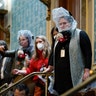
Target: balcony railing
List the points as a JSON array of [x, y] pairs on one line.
[[68, 93], [80, 86], [24, 79]]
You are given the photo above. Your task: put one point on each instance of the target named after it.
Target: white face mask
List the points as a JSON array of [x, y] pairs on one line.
[[40, 46]]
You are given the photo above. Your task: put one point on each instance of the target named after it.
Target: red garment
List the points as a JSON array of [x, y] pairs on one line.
[[35, 65]]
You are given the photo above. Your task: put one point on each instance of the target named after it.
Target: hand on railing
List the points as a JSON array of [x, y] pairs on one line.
[[86, 74], [19, 72], [49, 69], [26, 78]]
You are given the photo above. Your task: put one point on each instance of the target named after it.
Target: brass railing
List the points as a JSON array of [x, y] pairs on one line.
[[27, 77], [68, 93], [3, 86], [80, 86]]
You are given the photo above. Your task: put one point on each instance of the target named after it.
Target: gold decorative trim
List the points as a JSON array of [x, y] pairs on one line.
[[48, 4], [3, 11]]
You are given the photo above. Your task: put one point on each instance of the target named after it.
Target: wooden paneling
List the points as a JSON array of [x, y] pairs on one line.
[[63, 3], [1, 24], [2, 14]]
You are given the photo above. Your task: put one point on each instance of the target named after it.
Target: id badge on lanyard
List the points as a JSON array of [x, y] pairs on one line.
[[62, 52]]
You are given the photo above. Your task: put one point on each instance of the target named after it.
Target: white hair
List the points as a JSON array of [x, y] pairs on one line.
[[27, 34]]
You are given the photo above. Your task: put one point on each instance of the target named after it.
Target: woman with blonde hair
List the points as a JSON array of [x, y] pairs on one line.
[[39, 62], [38, 45]]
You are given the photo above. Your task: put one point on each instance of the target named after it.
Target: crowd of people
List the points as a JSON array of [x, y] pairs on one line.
[[69, 57]]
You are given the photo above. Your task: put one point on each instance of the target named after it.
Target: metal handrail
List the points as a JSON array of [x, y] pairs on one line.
[[27, 77], [4, 86], [67, 93], [80, 86]]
